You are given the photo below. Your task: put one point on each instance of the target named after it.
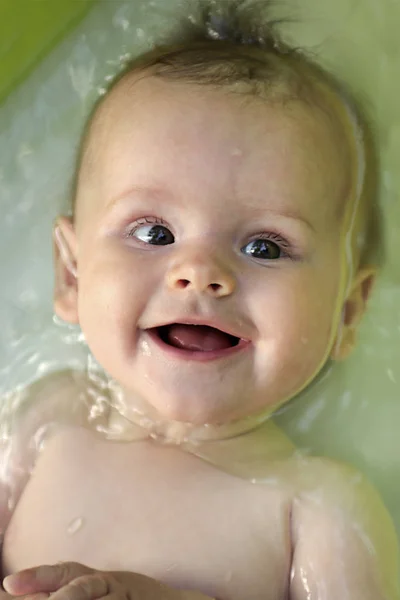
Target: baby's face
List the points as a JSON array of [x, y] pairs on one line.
[[207, 207]]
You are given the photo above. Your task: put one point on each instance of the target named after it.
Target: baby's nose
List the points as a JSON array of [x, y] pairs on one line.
[[202, 275]]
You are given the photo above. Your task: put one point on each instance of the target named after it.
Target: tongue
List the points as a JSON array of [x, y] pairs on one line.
[[197, 338]]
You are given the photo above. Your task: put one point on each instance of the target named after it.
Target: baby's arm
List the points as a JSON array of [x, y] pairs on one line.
[[344, 543]]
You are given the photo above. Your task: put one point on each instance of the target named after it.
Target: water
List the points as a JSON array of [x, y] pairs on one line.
[[75, 525], [354, 412]]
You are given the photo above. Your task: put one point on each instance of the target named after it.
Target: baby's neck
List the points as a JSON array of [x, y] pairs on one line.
[[143, 420], [248, 448]]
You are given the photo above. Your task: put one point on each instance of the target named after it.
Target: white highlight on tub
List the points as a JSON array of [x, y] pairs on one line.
[[391, 375], [311, 414], [345, 400]]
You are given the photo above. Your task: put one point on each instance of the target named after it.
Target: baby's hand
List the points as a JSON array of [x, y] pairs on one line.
[[45, 579], [73, 581]]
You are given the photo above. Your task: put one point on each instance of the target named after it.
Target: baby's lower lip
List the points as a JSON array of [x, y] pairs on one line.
[[179, 353]]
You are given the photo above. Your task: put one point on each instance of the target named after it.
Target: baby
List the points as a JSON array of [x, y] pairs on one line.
[[216, 260]]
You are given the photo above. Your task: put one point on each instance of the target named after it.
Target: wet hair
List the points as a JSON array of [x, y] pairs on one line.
[[235, 44]]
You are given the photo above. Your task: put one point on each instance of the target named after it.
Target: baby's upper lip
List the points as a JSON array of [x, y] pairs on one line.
[[216, 323]]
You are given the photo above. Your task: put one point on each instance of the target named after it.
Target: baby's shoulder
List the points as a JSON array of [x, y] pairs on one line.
[[328, 482], [60, 398], [339, 508], [340, 495], [31, 415]]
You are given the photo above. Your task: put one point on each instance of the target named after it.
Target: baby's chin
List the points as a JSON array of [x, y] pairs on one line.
[[199, 408]]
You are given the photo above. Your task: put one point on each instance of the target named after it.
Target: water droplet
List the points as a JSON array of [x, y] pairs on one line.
[[124, 57], [75, 525], [145, 348]]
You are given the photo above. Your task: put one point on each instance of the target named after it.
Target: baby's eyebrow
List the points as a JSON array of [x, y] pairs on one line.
[[140, 190], [162, 193], [285, 213]]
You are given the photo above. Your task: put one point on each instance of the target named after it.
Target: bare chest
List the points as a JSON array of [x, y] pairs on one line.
[[154, 510]]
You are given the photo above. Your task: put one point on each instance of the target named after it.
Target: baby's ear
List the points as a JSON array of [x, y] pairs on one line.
[[352, 312], [66, 281]]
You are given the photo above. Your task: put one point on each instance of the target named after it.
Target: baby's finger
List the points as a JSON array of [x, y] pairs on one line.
[[120, 595], [45, 578], [88, 587]]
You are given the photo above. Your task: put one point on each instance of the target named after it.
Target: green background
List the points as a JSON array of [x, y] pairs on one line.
[[28, 30]]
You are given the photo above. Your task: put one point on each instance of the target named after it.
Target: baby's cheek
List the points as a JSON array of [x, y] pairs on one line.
[[305, 328], [315, 321], [100, 304]]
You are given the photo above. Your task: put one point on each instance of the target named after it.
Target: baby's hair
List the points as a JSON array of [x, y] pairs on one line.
[[236, 44]]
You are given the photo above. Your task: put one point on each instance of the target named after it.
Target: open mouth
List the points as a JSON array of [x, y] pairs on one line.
[[195, 338]]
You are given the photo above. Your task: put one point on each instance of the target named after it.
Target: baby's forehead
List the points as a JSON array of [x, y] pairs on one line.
[[131, 96], [137, 88]]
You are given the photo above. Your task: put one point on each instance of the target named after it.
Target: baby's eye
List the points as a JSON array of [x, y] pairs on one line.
[[262, 248], [153, 233]]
